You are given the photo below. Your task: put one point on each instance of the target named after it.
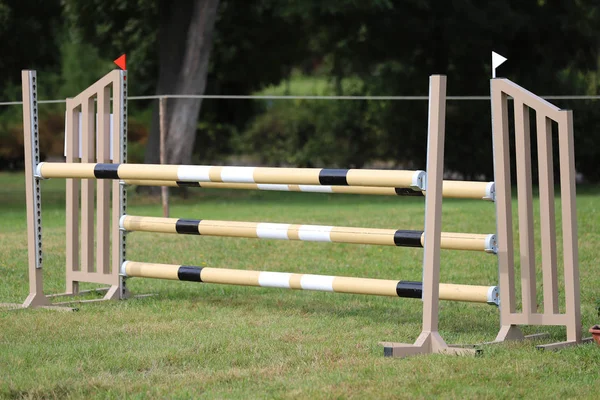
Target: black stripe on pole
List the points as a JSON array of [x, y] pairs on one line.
[[187, 226], [188, 184], [106, 171], [333, 177], [408, 192], [408, 238], [409, 289], [189, 273]]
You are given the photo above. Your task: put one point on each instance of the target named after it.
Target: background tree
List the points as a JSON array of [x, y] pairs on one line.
[[183, 32], [28, 39], [370, 47]]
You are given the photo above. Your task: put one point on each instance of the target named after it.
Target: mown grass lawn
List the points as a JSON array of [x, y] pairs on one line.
[[215, 341]]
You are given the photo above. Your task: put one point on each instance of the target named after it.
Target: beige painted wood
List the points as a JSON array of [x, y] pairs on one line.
[[526, 97], [95, 147], [464, 190], [89, 250], [112, 78], [461, 241], [386, 178], [525, 204], [72, 169], [84, 104], [342, 234], [430, 341], [72, 197], [151, 270], [561, 345], [504, 226], [149, 224], [293, 232], [545, 112], [88, 150], [228, 228], [433, 202], [295, 281], [469, 293], [92, 277], [164, 190], [547, 213], [223, 276], [377, 287], [215, 174], [148, 171], [103, 186], [539, 319], [569, 225], [299, 176]]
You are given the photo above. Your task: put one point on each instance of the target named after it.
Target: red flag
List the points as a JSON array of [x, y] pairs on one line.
[[121, 62]]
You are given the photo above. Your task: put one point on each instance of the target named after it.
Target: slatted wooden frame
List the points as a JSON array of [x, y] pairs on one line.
[[90, 257], [546, 114]]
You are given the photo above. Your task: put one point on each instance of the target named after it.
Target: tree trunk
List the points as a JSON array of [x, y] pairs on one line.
[[185, 41]]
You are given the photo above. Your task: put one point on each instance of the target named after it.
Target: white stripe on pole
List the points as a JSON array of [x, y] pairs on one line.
[[192, 173], [317, 282], [273, 186], [316, 188], [274, 279], [238, 174], [266, 230], [315, 233]]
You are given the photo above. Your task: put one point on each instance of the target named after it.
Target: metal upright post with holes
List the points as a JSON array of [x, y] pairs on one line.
[[33, 193]]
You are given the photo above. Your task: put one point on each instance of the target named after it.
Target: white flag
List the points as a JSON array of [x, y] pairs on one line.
[[497, 60]]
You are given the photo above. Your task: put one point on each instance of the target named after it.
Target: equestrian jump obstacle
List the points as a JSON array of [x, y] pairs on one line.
[[95, 163]]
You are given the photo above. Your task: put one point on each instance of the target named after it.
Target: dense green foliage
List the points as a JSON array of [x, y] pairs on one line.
[[384, 47]]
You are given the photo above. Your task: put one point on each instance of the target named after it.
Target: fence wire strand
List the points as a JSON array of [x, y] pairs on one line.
[[310, 97]]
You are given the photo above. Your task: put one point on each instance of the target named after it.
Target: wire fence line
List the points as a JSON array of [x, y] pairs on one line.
[[310, 97]]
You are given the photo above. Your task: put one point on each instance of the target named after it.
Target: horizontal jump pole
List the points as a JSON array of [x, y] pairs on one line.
[[451, 189], [207, 173], [338, 284], [311, 233]]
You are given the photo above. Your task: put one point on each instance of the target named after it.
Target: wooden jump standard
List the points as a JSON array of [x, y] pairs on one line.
[[94, 162], [546, 114]]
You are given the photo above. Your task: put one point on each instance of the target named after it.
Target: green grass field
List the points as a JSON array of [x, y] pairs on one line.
[[216, 341]]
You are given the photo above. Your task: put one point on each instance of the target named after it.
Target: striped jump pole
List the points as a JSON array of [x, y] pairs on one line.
[[310, 233], [285, 280], [451, 189], [261, 175]]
